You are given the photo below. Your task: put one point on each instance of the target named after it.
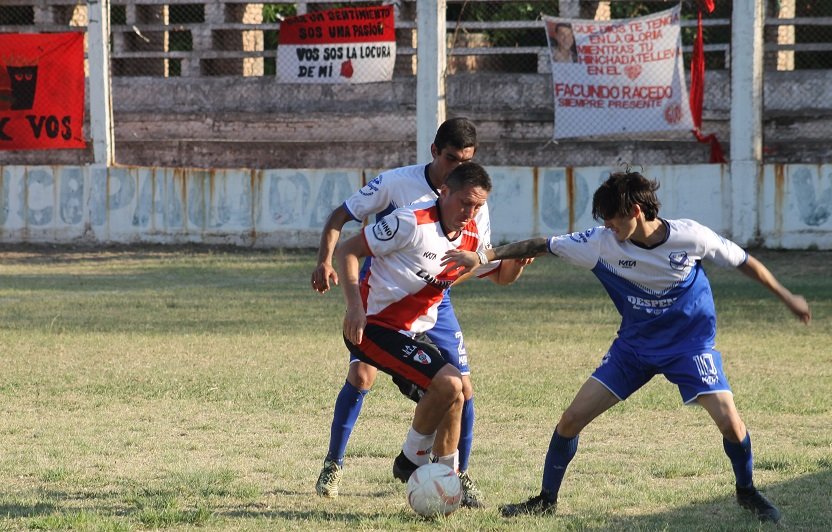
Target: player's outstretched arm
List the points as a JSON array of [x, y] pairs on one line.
[[796, 303], [468, 260], [510, 270], [348, 255], [324, 273]]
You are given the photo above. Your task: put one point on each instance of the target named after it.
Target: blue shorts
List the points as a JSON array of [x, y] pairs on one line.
[[447, 336], [623, 371]]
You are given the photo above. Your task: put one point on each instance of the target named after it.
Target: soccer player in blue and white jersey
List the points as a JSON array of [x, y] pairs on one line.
[[454, 144], [652, 270]]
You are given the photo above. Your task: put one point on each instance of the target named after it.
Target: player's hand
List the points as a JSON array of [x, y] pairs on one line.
[[463, 261], [524, 262], [322, 276], [800, 308], [355, 319]]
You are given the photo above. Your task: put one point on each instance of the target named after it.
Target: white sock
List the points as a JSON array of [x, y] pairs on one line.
[[452, 461], [417, 447]]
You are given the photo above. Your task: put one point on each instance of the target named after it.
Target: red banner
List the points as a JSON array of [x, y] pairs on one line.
[[41, 91], [344, 25], [346, 45]]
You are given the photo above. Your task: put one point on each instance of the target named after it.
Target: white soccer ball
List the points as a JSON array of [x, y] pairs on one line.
[[434, 489]]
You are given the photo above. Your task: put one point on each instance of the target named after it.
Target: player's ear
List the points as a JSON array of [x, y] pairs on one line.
[[434, 153]]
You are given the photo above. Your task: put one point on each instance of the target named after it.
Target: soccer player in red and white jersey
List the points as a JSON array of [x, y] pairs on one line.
[[391, 309], [455, 143]]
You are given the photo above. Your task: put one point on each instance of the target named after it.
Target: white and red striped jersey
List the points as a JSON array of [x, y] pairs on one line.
[[401, 187], [406, 282]]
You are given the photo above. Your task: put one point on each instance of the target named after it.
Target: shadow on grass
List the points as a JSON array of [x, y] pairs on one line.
[[804, 502], [10, 510]]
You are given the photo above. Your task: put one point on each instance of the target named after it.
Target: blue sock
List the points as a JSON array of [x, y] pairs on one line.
[[347, 407], [741, 460], [561, 452], [466, 434]]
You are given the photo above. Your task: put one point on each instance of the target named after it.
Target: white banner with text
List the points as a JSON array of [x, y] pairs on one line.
[[618, 76]]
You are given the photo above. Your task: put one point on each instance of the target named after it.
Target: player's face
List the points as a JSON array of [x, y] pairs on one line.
[[460, 207], [623, 226], [449, 158]]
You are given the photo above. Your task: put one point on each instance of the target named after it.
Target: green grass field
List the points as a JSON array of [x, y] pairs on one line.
[[193, 388]]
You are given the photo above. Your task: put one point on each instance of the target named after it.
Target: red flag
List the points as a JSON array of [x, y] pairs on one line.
[[41, 91], [707, 5], [697, 90]]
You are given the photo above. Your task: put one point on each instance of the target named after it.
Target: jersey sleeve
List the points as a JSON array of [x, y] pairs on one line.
[[395, 231], [483, 220], [369, 199], [718, 249], [582, 249]]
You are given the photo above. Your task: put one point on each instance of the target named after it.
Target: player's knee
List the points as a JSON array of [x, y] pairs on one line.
[[362, 376], [467, 387], [570, 424], [732, 429], [448, 383]]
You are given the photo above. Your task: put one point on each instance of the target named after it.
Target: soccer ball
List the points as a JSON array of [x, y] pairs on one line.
[[434, 489]]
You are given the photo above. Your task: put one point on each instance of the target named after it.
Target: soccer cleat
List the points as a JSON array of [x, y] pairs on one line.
[[327, 485], [471, 496], [761, 507], [403, 467], [538, 505]]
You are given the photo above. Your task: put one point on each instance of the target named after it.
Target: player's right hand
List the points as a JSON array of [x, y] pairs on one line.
[[322, 276]]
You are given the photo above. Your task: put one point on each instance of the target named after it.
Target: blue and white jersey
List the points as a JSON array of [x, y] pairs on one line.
[[661, 292]]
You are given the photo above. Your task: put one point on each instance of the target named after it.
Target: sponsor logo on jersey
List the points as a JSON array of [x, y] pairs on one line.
[[372, 187], [421, 357], [606, 358], [679, 260], [651, 306], [707, 368], [383, 231], [433, 281], [627, 263], [430, 255], [582, 237], [408, 350]]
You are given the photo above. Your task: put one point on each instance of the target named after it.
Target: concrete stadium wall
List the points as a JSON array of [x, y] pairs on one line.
[[287, 208]]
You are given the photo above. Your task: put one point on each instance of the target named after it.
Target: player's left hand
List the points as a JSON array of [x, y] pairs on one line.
[[463, 261]]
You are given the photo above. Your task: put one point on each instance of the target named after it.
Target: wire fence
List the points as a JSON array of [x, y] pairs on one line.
[[197, 84]]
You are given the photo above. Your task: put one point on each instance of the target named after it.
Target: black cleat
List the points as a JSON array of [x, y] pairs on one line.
[[471, 495], [761, 507], [538, 505], [403, 467]]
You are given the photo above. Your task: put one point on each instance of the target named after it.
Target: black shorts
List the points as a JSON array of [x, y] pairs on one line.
[[415, 360]]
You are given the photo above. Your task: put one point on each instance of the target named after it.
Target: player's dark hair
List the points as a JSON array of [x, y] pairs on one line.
[[621, 192], [459, 133], [468, 174]]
